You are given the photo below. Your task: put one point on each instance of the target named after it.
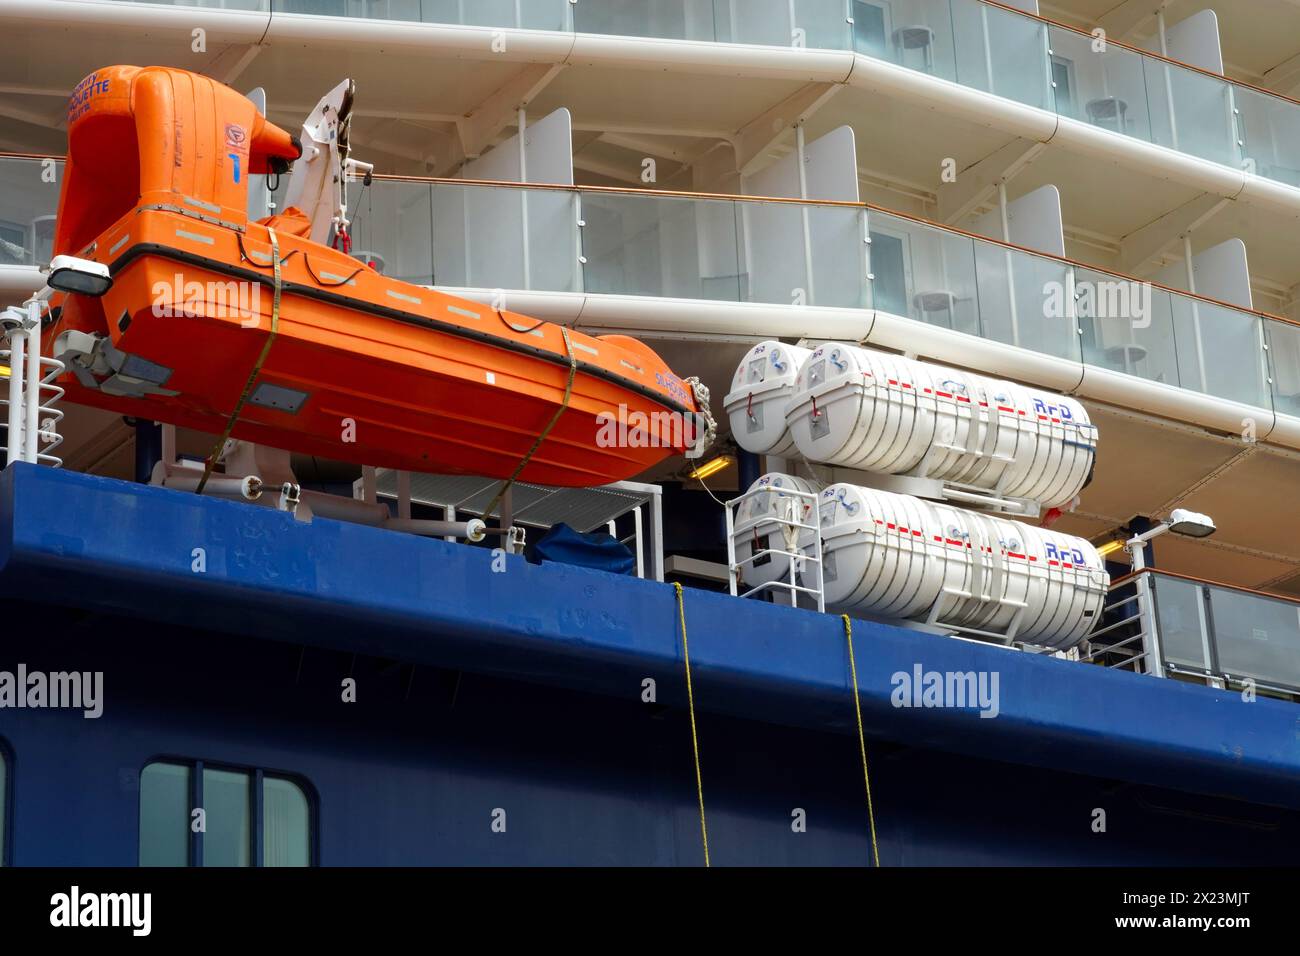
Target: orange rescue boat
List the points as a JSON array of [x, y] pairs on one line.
[[360, 367]]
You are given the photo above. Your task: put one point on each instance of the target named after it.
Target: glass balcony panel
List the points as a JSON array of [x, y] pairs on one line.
[[392, 221], [1125, 332], [662, 246], [528, 14], [773, 236], [837, 235], [668, 19], [553, 240], [1001, 53], [1256, 636], [1284, 358], [1107, 90], [1269, 128], [824, 24], [1190, 112], [924, 273], [716, 249], [254, 5], [917, 34], [1220, 351], [489, 223], [367, 9], [765, 22], [1023, 301], [1180, 619], [480, 241], [815, 24], [29, 197], [971, 42]]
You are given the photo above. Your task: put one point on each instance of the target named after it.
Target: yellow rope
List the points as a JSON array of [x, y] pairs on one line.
[[690, 700], [862, 739], [257, 367], [523, 462]]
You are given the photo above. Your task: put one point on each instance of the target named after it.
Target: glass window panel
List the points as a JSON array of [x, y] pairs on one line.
[[228, 812], [889, 273], [27, 208], [871, 28], [1284, 357], [165, 815], [286, 824], [1180, 619], [1256, 637], [1063, 77]]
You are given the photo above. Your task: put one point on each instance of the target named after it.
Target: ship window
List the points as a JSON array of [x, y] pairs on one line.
[[869, 29], [249, 818], [13, 244], [1063, 77], [889, 270]]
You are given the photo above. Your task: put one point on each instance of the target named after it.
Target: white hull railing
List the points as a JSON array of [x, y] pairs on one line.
[[1129, 636], [30, 414], [786, 589]]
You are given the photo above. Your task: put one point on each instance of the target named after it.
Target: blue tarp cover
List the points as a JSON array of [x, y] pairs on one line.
[[596, 549]]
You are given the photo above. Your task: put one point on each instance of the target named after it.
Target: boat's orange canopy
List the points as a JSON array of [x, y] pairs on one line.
[[158, 135]]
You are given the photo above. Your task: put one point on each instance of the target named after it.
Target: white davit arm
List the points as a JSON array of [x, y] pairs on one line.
[[318, 183]]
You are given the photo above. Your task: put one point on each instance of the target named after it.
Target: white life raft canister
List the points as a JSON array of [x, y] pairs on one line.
[[896, 556], [760, 392], [869, 410], [766, 522]]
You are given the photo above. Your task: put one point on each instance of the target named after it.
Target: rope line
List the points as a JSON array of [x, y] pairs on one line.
[[564, 405], [690, 701], [252, 375], [862, 740]]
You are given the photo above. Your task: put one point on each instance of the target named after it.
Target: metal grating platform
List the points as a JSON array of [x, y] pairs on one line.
[[583, 509]]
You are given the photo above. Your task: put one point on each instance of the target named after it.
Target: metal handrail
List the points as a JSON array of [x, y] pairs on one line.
[[1209, 582], [797, 557], [1164, 58], [1148, 624], [841, 203]]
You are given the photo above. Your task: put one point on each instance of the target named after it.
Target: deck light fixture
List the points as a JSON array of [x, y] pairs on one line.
[[711, 467], [82, 276], [1189, 524]]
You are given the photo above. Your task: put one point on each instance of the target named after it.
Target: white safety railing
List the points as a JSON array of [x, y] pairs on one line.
[[791, 525], [31, 418], [1166, 624]]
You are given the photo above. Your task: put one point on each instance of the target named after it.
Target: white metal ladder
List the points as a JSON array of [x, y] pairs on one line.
[[30, 414]]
